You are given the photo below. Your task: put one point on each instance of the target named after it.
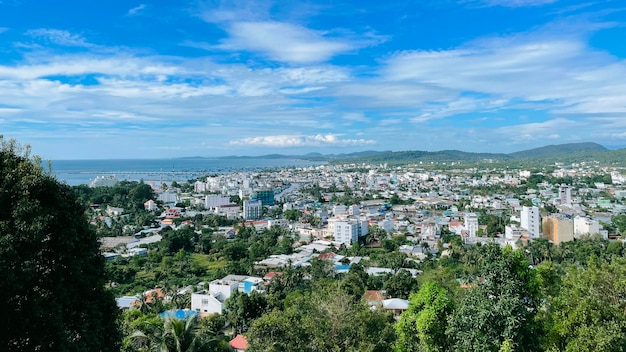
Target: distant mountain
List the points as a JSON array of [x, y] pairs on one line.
[[558, 149], [570, 152]]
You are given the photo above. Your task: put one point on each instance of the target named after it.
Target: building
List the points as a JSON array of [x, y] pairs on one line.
[[265, 196], [529, 220], [252, 209], [558, 228], [212, 201], [212, 300], [347, 231], [514, 232], [471, 224], [584, 226], [565, 195], [150, 205]]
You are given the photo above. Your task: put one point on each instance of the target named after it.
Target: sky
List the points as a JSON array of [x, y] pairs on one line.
[[121, 79]]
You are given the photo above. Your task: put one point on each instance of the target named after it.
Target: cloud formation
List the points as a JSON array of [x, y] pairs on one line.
[[59, 37], [301, 141], [284, 42]]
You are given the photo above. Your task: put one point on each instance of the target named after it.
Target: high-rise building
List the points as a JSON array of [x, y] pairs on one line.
[[347, 231], [252, 209], [471, 224], [558, 228], [216, 200], [585, 226], [529, 220], [565, 195], [265, 196]]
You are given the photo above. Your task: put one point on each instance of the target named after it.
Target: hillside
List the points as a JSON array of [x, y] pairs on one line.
[[558, 149], [571, 152]]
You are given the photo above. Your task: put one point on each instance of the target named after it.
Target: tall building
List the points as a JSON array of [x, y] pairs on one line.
[[347, 231], [585, 226], [529, 220], [565, 195], [216, 200], [252, 209], [265, 196], [558, 228], [471, 224]]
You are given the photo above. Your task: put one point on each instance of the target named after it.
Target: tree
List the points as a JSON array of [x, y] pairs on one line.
[[325, 320], [400, 284], [169, 334], [501, 307], [51, 270], [590, 312], [423, 326], [243, 309]]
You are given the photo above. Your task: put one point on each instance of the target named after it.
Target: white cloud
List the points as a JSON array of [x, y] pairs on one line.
[[136, 10], [355, 116], [301, 141], [284, 42], [3, 29], [59, 37]]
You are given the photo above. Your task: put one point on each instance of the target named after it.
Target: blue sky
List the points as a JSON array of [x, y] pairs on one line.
[[148, 79]]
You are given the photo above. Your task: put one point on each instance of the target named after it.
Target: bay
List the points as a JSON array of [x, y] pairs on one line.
[[154, 171]]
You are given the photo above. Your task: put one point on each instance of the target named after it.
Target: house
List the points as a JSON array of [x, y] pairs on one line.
[[150, 205], [113, 211], [239, 343], [208, 302], [396, 306], [374, 298]]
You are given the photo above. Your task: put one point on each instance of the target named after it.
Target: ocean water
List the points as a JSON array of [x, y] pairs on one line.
[[153, 171]]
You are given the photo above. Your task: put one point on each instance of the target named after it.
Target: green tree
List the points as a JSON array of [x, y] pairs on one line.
[[326, 320], [243, 309], [501, 307], [590, 312], [423, 326], [169, 335], [51, 271], [400, 284]]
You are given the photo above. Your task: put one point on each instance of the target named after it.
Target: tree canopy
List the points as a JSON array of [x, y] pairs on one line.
[[51, 271]]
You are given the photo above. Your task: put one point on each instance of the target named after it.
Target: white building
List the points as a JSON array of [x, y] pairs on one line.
[[584, 226], [252, 209], [347, 231], [471, 224], [150, 205], [200, 187], [168, 197], [530, 220], [215, 200], [212, 300], [514, 232]]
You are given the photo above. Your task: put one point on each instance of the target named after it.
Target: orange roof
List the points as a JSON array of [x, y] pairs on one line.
[[152, 293], [239, 342], [374, 295]]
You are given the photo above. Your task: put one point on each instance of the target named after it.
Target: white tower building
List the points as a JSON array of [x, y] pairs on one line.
[[530, 220], [471, 224]]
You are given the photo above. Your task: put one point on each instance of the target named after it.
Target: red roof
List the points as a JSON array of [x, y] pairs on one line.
[[326, 255], [271, 275], [239, 342], [157, 292]]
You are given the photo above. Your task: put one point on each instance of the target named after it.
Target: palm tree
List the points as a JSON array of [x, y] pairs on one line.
[[173, 335]]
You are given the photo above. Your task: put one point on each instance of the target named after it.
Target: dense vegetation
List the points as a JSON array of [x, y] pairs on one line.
[[51, 271]]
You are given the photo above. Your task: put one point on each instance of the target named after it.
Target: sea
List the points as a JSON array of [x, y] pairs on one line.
[[155, 171]]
